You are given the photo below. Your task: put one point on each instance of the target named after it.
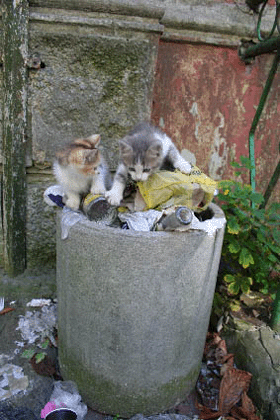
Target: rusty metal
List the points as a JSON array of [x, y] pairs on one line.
[[249, 49]]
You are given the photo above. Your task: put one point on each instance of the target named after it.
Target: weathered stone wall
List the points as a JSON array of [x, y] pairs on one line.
[[97, 74]]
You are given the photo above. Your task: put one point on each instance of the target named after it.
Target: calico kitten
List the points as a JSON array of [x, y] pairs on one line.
[[143, 151], [79, 168]]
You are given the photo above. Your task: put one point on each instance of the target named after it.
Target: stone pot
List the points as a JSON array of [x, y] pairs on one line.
[[134, 309]]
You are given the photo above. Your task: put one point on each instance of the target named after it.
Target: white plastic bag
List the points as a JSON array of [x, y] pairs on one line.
[[65, 393]]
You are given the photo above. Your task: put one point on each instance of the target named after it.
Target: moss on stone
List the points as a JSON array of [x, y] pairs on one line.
[[105, 396]]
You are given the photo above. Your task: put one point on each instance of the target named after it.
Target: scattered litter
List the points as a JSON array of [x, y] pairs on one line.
[[12, 381], [6, 310], [65, 394], [39, 324], [39, 303]]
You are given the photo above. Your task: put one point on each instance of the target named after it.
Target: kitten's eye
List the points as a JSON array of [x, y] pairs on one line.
[[131, 169], [146, 170]]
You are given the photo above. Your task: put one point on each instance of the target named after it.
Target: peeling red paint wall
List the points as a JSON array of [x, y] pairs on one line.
[[205, 98]]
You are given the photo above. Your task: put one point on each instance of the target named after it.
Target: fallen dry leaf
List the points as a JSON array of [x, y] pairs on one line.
[[232, 403], [228, 363], [247, 404], [6, 310], [206, 413], [233, 384]]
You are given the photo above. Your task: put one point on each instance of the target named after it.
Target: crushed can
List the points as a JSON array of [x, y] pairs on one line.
[[97, 208], [182, 217]]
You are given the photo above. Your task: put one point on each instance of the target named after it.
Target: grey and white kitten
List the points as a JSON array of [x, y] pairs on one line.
[[80, 168], [143, 151]]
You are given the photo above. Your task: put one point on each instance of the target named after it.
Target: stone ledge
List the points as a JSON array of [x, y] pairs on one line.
[[144, 8], [96, 20], [211, 22], [224, 18]]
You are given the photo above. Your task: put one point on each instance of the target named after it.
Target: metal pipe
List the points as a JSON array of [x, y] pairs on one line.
[[245, 52], [271, 185], [257, 117]]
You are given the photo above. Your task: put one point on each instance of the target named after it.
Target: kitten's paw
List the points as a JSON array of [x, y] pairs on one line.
[[73, 203], [113, 197], [185, 167], [98, 190]]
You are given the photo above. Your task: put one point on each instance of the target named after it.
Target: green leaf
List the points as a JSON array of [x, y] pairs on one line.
[[245, 258], [235, 164], [261, 237], [45, 344], [245, 161], [276, 236], [272, 258], [28, 353], [245, 285], [234, 247], [229, 278], [232, 226], [256, 198], [274, 248], [39, 357], [233, 288]]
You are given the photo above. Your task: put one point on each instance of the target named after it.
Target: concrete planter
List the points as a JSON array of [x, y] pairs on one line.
[[133, 313]]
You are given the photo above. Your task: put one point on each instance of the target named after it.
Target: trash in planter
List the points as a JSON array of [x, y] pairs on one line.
[[53, 196], [69, 219], [141, 220], [96, 208], [65, 395], [152, 205], [180, 218], [165, 189]]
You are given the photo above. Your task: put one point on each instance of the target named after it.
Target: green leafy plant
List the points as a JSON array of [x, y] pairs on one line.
[[39, 356], [251, 249]]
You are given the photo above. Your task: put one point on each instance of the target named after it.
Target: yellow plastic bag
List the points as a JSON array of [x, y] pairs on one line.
[[165, 189]]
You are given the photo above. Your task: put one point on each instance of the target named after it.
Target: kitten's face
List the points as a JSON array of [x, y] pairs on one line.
[[82, 154], [141, 156]]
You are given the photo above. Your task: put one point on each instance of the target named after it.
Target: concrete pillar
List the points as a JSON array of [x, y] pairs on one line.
[[133, 313], [15, 26]]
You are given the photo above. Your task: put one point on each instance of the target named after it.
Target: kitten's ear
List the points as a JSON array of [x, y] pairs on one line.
[[155, 150], [90, 156], [62, 157], [94, 139], [125, 148]]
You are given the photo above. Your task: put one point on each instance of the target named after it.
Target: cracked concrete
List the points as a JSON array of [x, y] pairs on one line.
[[257, 349]]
